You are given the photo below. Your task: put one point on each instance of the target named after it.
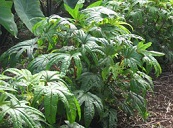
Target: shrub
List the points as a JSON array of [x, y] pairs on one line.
[[98, 61]]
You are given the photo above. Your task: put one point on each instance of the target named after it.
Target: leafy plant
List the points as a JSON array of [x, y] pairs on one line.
[[45, 87], [91, 102], [7, 18], [17, 113], [150, 19], [25, 11], [92, 54]]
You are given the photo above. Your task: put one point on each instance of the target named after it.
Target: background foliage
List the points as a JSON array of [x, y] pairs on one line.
[[150, 19]]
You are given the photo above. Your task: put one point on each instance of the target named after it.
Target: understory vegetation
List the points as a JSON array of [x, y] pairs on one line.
[[81, 68]]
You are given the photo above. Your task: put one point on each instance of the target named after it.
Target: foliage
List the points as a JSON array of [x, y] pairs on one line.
[[25, 10], [7, 18], [150, 19], [31, 94], [97, 67], [17, 112]]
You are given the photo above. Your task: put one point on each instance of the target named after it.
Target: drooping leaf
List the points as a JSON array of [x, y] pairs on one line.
[[131, 58], [88, 45], [155, 53], [139, 103], [7, 18], [152, 62], [140, 83], [89, 80], [21, 114], [13, 54], [40, 63], [28, 11], [91, 102], [110, 118], [53, 88], [24, 77], [61, 61]]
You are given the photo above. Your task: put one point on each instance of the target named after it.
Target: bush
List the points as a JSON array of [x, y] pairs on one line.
[[94, 61]]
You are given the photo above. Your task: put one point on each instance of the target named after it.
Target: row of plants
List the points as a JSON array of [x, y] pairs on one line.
[[80, 70]]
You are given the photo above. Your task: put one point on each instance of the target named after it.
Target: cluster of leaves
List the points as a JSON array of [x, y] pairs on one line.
[[96, 68], [151, 19], [25, 97]]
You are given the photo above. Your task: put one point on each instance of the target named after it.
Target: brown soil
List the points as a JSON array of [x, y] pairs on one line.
[[160, 106]]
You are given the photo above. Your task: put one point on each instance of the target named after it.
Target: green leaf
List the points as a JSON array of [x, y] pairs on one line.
[[4, 88], [40, 63], [110, 118], [89, 80], [4, 77], [88, 45], [142, 46], [152, 62], [7, 18], [131, 58], [74, 12], [97, 3], [13, 54], [21, 114], [60, 60], [28, 11], [140, 83], [78, 63], [50, 105], [139, 103], [98, 14], [154, 53], [91, 102], [54, 89]]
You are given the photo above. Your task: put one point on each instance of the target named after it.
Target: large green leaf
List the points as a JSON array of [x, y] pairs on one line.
[[131, 58], [140, 83], [28, 11], [91, 102], [13, 54], [97, 14], [7, 18], [139, 103], [21, 114], [110, 118], [24, 77], [89, 80], [40, 63], [53, 89], [88, 46], [61, 61]]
